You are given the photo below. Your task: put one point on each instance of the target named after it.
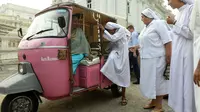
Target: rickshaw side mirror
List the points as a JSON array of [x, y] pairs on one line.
[[20, 34], [61, 21]]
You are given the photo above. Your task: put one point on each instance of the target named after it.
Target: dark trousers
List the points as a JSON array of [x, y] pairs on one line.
[[134, 65]]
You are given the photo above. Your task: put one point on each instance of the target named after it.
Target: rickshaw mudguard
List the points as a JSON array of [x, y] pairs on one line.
[[18, 83]]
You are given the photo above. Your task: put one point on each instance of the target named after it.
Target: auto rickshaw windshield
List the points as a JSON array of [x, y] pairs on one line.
[[46, 25]]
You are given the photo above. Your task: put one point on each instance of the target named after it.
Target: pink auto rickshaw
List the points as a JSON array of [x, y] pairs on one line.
[[45, 65]]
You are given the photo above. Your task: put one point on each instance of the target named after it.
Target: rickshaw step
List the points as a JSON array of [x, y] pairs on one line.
[[78, 89]]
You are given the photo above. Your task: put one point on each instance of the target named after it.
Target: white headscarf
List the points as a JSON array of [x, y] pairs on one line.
[[150, 14], [111, 26], [188, 1]]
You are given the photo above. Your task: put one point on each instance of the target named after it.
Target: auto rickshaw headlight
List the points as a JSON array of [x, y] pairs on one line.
[[22, 69]]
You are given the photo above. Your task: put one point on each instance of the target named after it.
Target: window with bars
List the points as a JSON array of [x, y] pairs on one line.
[[0, 42], [9, 44], [89, 3], [128, 7]]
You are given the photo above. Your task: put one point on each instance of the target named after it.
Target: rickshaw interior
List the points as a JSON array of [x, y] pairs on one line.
[[89, 26], [88, 72]]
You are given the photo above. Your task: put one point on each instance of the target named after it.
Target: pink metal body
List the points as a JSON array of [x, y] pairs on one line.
[[54, 74], [76, 78], [89, 76]]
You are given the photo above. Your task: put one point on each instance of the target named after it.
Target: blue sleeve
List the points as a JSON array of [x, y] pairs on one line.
[[135, 40], [130, 42], [137, 35]]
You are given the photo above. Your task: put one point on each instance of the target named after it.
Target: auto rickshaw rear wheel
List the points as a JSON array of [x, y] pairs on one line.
[[116, 90], [22, 102]]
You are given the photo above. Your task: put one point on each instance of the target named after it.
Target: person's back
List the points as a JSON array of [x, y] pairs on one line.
[[79, 43]]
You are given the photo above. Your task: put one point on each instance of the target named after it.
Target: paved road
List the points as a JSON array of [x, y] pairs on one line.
[[99, 101], [94, 101]]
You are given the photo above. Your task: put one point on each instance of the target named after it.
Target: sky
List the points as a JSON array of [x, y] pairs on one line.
[[36, 4]]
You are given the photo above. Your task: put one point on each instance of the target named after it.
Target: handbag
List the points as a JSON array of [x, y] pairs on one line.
[[167, 72]]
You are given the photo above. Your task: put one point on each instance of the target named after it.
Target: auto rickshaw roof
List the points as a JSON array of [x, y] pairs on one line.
[[75, 5]]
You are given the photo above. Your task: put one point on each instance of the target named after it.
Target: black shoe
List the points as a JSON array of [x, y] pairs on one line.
[[136, 82]]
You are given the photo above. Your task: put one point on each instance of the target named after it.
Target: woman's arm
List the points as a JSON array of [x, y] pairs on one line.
[[168, 49], [197, 75]]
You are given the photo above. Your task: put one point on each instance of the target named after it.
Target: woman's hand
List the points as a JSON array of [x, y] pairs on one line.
[[137, 47], [132, 49], [101, 27], [89, 57], [170, 20], [134, 54]]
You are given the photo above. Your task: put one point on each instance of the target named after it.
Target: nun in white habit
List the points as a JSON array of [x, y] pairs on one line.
[[181, 89], [155, 53], [117, 67], [195, 28]]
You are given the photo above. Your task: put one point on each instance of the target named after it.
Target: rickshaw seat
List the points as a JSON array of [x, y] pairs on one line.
[[89, 75]]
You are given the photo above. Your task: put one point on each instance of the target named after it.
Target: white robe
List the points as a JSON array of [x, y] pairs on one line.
[[153, 62], [181, 90], [117, 67], [195, 27]]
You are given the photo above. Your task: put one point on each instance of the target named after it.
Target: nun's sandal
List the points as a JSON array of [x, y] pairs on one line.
[[148, 106], [124, 102], [158, 110]]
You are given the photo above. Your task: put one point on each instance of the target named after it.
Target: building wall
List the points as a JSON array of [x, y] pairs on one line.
[[115, 8], [7, 43], [8, 56], [13, 17], [118, 9], [16, 10], [8, 48], [137, 6]]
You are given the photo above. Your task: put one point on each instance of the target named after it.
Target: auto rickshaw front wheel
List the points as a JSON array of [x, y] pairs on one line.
[[21, 102]]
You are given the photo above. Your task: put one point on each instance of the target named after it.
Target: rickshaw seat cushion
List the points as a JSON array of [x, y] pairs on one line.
[[86, 62]]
